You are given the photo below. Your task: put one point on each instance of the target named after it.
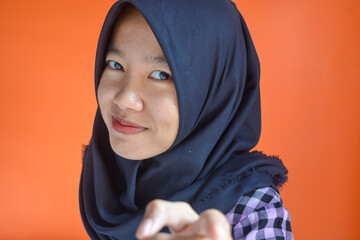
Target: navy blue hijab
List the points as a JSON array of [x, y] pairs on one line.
[[216, 73]]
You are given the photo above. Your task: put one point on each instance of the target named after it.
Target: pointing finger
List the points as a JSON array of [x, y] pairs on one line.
[[159, 213]]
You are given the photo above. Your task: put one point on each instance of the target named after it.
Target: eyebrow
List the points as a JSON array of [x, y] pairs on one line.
[[147, 59], [115, 51], [157, 59]]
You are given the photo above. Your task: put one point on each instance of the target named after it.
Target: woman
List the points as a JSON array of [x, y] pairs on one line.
[[177, 83]]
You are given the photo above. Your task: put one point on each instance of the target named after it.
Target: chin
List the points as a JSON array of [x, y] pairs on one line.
[[126, 154], [129, 156], [133, 151]]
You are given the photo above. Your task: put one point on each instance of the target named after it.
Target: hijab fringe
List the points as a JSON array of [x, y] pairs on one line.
[[278, 180]]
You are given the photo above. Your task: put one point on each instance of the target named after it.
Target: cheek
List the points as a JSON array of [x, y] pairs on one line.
[[102, 96], [105, 94], [168, 115], [105, 101]]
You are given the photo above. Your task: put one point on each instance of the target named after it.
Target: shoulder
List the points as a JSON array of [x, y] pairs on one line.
[[260, 214]]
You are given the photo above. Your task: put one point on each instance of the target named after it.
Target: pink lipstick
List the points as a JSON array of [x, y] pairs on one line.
[[125, 127]]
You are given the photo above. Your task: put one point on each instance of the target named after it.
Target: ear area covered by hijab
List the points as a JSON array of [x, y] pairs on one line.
[[216, 73]]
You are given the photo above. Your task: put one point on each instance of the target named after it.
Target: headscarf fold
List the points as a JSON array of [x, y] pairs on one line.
[[216, 73]]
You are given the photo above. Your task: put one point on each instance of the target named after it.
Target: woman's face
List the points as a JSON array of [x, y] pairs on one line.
[[136, 94]]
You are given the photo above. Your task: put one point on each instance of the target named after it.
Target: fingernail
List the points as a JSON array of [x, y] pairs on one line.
[[145, 228]]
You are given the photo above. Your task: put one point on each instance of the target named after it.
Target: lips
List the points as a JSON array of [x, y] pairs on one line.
[[125, 127]]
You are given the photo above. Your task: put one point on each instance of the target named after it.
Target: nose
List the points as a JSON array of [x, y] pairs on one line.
[[129, 97]]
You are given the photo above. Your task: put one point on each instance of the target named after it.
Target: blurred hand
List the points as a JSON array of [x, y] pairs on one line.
[[183, 222]]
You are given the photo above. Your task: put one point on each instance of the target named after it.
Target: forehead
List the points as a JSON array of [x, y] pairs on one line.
[[130, 19], [132, 31]]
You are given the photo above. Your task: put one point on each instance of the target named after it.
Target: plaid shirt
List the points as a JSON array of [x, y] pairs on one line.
[[260, 215]]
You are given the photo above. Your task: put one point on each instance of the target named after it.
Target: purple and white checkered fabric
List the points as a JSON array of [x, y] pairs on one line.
[[260, 215]]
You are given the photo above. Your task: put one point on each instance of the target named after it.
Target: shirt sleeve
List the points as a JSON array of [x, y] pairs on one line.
[[260, 215]]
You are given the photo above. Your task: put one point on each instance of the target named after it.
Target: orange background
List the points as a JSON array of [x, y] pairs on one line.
[[309, 52]]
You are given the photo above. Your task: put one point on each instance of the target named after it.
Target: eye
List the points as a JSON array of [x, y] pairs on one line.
[[115, 65], [160, 75]]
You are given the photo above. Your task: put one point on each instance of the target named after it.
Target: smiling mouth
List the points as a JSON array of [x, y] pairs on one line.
[[125, 127]]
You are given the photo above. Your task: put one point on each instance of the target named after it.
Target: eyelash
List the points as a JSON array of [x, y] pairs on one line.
[[162, 75]]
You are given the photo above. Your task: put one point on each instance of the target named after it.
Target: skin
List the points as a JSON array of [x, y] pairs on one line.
[[183, 222], [137, 87], [131, 88]]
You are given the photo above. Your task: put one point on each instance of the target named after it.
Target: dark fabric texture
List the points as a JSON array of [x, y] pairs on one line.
[[216, 73]]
